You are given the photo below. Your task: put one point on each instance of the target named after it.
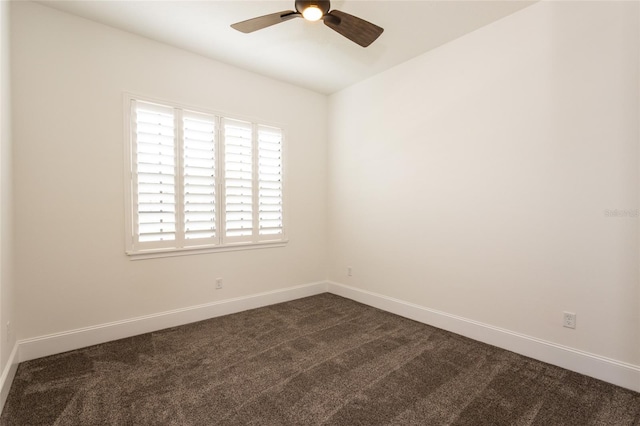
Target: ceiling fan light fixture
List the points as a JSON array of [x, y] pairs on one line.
[[355, 29], [312, 13]]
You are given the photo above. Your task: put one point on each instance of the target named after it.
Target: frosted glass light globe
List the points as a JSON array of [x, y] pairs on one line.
[[312, 13]]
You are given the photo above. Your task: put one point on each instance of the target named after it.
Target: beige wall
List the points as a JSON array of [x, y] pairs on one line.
[[474, 179], [7, 300], [69, 201]]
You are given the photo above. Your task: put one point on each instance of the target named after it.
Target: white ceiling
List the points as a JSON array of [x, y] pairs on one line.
[[306, 54]]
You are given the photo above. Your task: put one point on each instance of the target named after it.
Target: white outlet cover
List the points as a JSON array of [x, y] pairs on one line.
[[569, 320]]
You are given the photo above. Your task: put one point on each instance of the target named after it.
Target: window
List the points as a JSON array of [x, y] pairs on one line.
[[199, 181]]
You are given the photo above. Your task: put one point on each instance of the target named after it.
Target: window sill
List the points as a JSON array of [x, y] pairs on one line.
[[171, 252]]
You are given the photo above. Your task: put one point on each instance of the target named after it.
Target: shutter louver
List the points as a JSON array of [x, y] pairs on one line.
[[238, 172], [155, 172], [270, 210], [199, 164]]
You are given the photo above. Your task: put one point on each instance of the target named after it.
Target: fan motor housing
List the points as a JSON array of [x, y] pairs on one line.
[[323, 5]]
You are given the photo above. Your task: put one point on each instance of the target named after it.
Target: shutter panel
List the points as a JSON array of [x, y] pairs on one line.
[[238, 172], [270, 209], [199, 167], [154, 172]]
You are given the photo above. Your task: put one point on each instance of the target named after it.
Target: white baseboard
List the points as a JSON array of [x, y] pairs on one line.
[[9, 372], [606, 369], [75, 339], [609, 370]]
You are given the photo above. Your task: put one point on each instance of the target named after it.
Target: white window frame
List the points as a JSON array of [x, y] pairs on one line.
[[180, 246]]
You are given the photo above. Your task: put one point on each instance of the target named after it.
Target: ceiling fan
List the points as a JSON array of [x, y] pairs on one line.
[[355, 29]]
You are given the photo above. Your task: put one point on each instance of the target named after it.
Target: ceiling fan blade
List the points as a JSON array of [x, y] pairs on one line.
[[355, 29], [255, 24]]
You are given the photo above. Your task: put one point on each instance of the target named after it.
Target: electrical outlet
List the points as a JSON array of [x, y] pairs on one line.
[[8, 331], [349, 271], [218, 283], [569, 320]]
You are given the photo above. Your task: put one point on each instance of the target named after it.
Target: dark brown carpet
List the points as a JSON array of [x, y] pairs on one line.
[[318, 360]]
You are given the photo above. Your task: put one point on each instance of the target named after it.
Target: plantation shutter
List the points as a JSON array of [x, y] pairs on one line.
[[270, 209], [154, 173], [238, 180], [199, 178], [200, 182]]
